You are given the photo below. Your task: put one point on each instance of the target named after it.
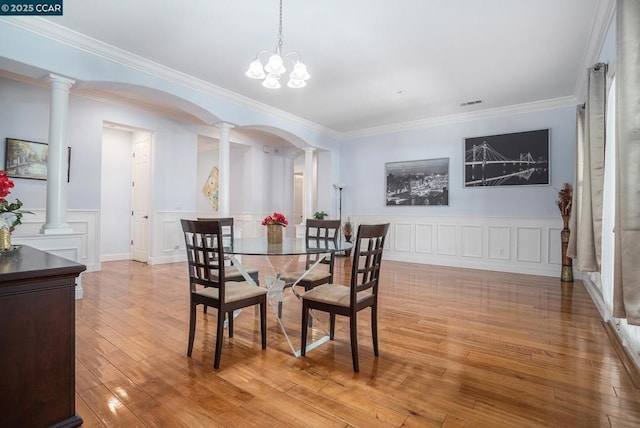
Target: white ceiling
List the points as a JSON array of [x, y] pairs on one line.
[[361, 53]]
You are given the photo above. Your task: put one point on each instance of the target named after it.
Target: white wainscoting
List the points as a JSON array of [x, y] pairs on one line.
[[85, 223], [66, 245], [505, 244], [167, 242]]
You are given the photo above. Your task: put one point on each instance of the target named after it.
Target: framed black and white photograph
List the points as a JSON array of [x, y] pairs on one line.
[[418, 182], [26, 159], [517, 159]]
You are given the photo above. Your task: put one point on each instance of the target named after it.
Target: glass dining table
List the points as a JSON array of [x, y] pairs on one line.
[[281, 258]]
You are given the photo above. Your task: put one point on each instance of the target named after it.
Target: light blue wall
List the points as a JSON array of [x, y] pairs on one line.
[[363, 167], [23, 114], [359, 162]]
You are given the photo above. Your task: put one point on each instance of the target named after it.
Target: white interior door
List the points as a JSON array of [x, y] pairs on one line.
[[140, 191]]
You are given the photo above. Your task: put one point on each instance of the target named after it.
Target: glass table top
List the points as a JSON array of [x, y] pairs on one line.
[[288, 247]]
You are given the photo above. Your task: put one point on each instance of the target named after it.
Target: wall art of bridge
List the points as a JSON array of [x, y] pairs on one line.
[[485, 166]]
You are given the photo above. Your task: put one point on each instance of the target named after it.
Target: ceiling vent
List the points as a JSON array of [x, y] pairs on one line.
[[470, 103]]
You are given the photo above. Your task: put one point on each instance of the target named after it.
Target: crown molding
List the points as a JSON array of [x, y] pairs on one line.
[[465, 117], [96, 47], [602, 20]]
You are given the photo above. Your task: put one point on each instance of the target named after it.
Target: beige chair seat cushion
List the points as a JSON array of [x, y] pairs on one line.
[[314, 275], [334, 294], [235, 290]]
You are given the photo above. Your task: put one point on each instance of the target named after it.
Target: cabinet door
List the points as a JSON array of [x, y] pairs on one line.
[[37, 354]]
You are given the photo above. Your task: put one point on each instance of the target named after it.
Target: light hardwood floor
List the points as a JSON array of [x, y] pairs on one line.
[[457, 348]]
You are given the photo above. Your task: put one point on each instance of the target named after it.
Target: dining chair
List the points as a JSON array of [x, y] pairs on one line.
[[318, 233], [337, 299], [208, 286], [231, 272]]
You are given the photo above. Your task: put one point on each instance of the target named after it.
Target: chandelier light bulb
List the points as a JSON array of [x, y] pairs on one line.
[[299, 72], [296, 84], [275, 65], [255, 70], [271, 82]]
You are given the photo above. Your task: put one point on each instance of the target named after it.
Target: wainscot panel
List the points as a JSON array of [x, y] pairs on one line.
[[506, 244]]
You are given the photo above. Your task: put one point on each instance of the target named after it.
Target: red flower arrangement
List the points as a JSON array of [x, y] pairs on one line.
[[275, 218], [6, 184]]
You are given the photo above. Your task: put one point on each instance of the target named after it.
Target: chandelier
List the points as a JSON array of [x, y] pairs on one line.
[[274, 68]]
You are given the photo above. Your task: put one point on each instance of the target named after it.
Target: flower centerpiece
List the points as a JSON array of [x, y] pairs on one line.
[[275, 222], [10, 212]]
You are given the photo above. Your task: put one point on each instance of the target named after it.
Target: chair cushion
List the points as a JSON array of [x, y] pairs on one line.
[[334, 294], [236, 290], [314, 275]]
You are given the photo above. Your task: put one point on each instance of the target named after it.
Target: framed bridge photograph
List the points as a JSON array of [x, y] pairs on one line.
[[417, 182], [517, 159]]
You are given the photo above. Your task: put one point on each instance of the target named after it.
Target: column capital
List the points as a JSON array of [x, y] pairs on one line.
[[309, 149], [224, 125], [59, 81]]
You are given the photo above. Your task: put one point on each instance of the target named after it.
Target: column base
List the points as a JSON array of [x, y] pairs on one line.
[[60, 229]]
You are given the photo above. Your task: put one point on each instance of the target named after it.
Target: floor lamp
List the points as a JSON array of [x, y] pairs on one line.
[[340, 187]]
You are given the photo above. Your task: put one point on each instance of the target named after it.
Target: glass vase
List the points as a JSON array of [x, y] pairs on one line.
[[5, 239]]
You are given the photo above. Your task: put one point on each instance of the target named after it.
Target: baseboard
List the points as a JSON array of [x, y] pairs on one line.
[[114, 257], [623, 353], [596, 296], [174, 258]]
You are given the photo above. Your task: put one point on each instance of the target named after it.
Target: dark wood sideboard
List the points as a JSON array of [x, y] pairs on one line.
[[37, 339]]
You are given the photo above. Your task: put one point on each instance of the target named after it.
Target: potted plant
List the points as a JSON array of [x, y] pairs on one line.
[[320, 215]]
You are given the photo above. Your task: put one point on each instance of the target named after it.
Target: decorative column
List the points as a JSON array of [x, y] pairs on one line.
[[308, 183], [224, 179], [57, 157], [287, 184]]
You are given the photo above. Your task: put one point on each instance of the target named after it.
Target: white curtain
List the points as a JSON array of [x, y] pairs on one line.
[[626, 286], [585, 241]]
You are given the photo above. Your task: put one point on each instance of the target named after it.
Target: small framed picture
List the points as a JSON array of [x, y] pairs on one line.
[[26, 159], [417, 182]]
